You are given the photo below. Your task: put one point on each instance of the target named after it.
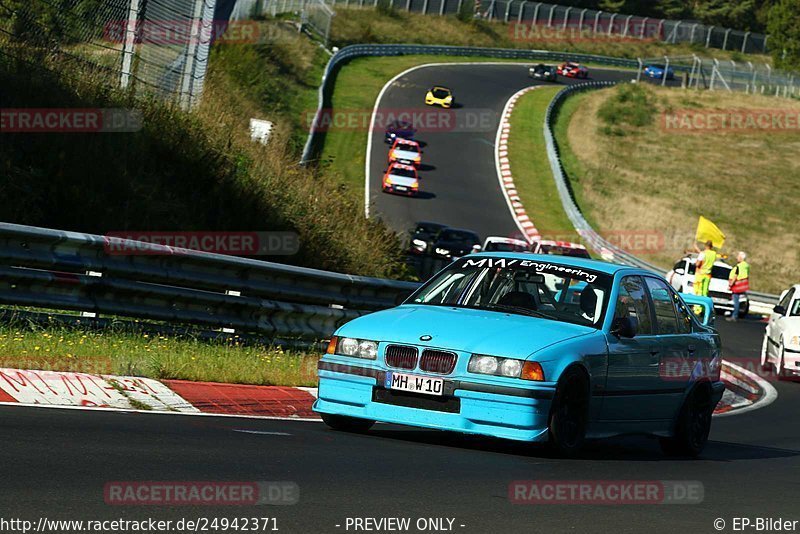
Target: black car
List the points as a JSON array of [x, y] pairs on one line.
[[453, 243], [543, 72], [402, 129], [423, 236]]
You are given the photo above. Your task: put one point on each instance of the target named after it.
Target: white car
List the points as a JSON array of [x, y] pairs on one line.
[[560, 248], [681, 276], [781, 346], [505, 244]]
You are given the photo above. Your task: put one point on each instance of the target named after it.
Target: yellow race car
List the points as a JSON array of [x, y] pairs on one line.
[[439, 96]]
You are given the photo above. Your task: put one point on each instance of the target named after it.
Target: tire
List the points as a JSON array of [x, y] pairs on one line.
[[692, 425], [569, 413], [346, 424], [765, 364]]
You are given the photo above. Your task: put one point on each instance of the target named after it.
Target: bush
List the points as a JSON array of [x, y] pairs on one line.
[[631, 106]]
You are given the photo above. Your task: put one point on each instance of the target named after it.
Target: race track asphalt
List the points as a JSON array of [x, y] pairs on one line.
[[56, 463], [459, 182]]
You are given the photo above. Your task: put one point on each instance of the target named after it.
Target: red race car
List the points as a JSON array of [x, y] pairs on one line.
[[401, 179], [405, 151], [571, 69]]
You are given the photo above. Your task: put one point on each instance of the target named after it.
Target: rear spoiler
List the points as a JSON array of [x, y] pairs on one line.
[[706, 315]]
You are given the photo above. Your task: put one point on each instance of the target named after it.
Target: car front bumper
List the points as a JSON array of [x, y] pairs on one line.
[[467, 406]]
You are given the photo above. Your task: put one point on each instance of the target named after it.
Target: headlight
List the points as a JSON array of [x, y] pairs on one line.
[[357, 348], [389, 181], [420, 244], [442, 251], [508, 367]]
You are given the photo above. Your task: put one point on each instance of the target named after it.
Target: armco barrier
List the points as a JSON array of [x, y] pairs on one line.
[[60, 270], [759, 302], [314, 141]]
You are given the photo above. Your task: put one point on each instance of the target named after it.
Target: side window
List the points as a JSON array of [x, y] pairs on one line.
[[632, 302], [681, 265], [684, 315], [666, 319], [787, 298]]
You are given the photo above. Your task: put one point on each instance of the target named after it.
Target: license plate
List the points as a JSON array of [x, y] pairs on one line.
[[401, 187], [414, 383]]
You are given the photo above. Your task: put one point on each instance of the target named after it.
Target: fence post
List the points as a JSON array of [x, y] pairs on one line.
[[627, 23], [725, 40], [764, 46], [583, 18], [441, 7], [536, 14], [666, 69], [611, 23], [521, 11], [550, 17], [425, 7], [596, 20], [566, 19], [644, 27], [675, 32], [744, 41], [691, 35], [508, 10], [639, 70], [130, 43], [191, 51]]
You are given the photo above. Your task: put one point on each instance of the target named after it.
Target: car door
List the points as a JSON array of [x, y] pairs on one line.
[[674, 348], [775, 326], [632, 363]]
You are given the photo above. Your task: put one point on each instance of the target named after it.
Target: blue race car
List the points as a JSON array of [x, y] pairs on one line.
[[657, 72], [495, 345]]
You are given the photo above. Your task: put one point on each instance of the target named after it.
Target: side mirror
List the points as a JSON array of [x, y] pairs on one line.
[[680, 271], [476, 248], [780, 310], [625, 327]]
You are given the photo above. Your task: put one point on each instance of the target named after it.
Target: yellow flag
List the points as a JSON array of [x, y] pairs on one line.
[[708, 231]]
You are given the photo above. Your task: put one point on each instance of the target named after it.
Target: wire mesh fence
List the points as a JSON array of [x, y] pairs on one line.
[[581, 21], [152, 46], [316, 15]]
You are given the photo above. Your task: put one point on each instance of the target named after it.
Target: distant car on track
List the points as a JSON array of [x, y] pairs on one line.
[[439, 96], [401, 179], [681, 277], [658, 72], [492, 345], [560, 248], [423, 236], [781, 346], [453, 243], [570, 69], [405, 151], [401, 129], [543, 72], [505, 244]]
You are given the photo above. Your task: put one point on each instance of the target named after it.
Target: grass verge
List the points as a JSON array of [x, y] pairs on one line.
[[533, 177], [153, 356], [645, 175]]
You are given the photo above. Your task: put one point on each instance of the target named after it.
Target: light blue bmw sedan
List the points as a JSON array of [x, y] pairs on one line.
[[533, 348]]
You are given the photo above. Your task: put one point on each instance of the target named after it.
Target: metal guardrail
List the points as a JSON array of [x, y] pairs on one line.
[[53, 269], [763, 301], [314, 140]]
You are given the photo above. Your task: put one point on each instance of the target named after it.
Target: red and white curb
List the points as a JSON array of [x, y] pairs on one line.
[[745, 391], [128, 393], [503, 165]]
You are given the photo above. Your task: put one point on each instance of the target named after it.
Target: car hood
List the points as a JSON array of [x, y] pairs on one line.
[[404, 154], [462, 329], [402, 180]]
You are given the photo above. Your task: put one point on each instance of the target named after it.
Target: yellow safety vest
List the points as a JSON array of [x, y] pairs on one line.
[[709, 258], [740, 272]]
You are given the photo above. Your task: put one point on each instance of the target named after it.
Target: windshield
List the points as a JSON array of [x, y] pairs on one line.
[[523, 287], [717, 271], [505, 247], [458, 237], [404, 173], [408, 147], [565, 251], [440, 93]]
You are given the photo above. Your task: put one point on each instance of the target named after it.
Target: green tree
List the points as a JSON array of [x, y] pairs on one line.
[[784, 34]]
